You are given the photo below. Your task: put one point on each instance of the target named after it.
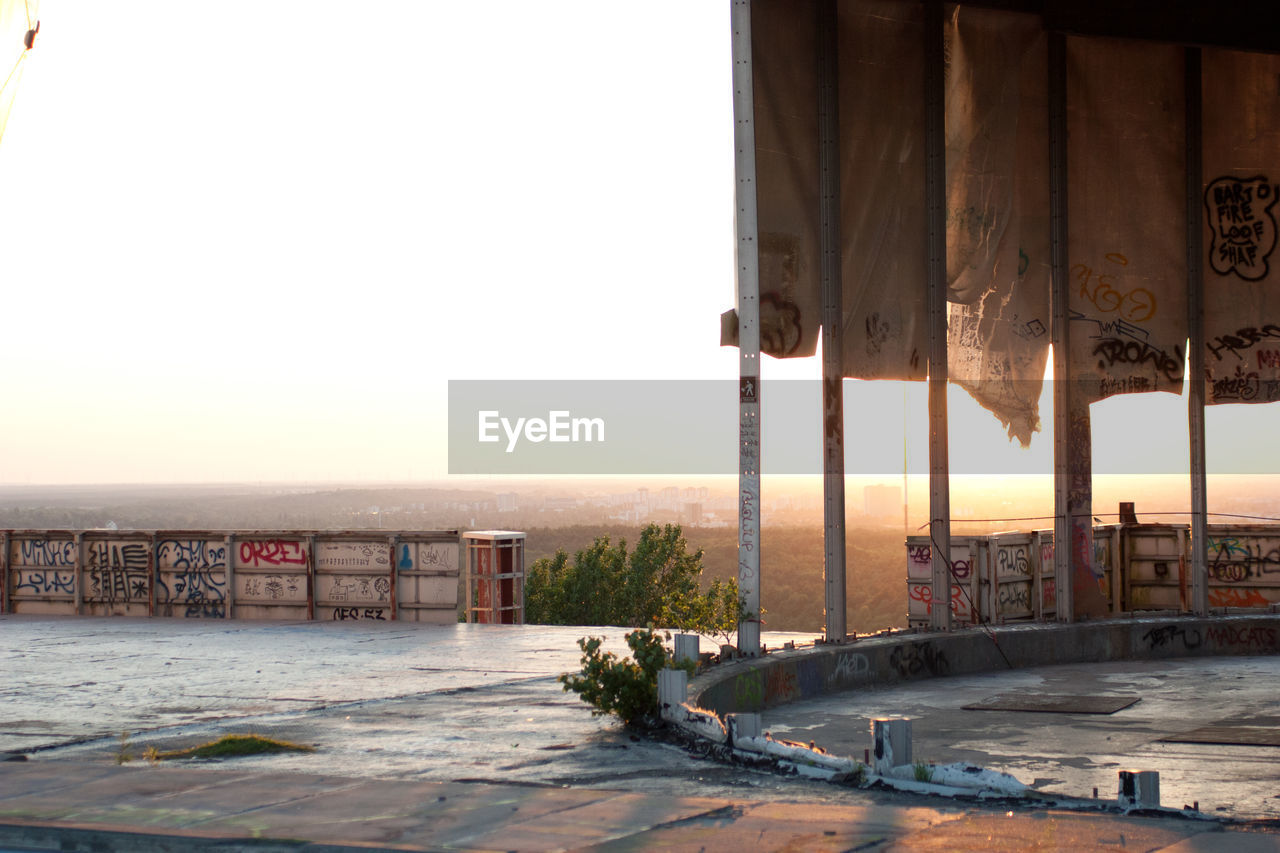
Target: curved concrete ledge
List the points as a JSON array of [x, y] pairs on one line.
[[782, 677]]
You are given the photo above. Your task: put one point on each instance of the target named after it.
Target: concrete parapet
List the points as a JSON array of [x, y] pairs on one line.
[[782, 677], [330, 575], [697, 722]]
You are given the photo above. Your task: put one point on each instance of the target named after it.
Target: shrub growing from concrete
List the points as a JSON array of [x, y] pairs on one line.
[[626, 687]]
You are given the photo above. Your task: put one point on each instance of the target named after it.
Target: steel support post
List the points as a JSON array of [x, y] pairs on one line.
[[936, 280], [80, 572], [832, 322], [230, 595], [1062, 421], [1195, 331], [748, 279]]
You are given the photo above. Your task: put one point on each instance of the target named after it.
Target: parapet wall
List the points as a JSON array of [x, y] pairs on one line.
[[1009, 577], [289, 574], [782, 677]]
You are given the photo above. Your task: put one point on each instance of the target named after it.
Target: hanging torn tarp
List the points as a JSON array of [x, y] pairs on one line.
[[785, 99], [997, 203], [18, 28], [1241, 184], [882, 210], [1126, 197], [882, 184], [882, 225]]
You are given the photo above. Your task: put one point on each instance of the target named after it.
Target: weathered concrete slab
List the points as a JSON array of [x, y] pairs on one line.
[[163, 809], [1053, 704], [460, 712], [1051, 831], [1071, 754]]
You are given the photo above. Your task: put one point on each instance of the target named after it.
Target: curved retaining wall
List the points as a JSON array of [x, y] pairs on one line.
[[782, 677]]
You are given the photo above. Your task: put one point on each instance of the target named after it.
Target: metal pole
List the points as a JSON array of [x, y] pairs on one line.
[[229, 597], [6, 596], [153, 575], [77, 539], [468, 554], [936, 279], [1060, 333], [748, 275], [1195, 330], [311, 578], [393, 543], [906, 523], [832, 321]]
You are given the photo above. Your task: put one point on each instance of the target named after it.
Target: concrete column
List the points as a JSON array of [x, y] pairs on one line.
[[1195, 333], [748, 278], [890, 743], [673, 689], [832, 324], [688, 647], [744, 725], [936, 285], [1139, 789]]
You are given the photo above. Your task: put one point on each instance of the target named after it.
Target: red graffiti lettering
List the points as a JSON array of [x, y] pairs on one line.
[[924, 593], [780, 685], [1251, 638], [272, 552], [1219, 597]]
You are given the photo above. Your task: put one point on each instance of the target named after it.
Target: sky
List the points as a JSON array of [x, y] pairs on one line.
[[252, 242]]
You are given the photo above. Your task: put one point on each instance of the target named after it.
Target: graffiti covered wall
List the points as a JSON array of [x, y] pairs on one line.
[[290, 575]]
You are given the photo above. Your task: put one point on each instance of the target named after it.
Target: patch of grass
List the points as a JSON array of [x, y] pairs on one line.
[[923, 772], [124, 753], [233, 746]]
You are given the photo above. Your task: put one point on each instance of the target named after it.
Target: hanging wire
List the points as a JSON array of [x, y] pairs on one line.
[[1102, 515], [13, 71], [951, 576], [28, 41]]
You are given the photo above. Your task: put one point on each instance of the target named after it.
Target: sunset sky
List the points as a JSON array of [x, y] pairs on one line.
[[253, 242]]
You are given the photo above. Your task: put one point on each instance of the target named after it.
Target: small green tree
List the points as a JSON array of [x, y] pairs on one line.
[[626, 687], [715, 613], [657, 583]]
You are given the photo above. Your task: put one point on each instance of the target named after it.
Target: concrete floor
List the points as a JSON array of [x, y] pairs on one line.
[[441, 703], [481, 703], [1072, 753]]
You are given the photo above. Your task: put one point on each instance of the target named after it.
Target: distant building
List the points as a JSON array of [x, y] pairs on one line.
[[882, 501], [507, 502]]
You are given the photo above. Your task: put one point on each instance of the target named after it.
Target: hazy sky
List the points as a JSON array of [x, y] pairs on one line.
[[253, 241]]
